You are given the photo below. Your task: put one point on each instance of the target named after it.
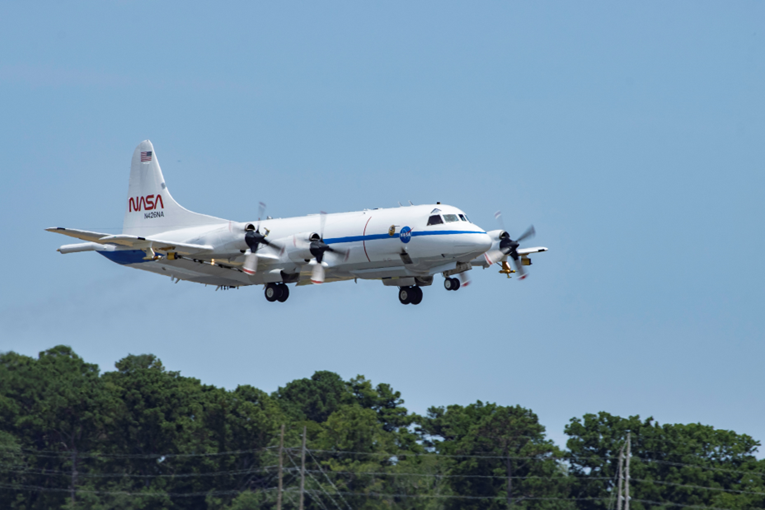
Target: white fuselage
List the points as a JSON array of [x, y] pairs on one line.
[[389, 244]]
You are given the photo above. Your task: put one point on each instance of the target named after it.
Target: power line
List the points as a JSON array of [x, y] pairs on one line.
[[55, 453], [437, 455], [700, 487], [432, 475], [50, 472]]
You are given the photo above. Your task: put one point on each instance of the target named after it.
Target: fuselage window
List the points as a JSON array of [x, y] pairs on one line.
[[435, 220], [451, 218], [462, 217]]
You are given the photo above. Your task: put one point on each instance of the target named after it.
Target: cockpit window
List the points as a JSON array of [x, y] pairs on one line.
[[463, 217], [451, 218], [435, 220]]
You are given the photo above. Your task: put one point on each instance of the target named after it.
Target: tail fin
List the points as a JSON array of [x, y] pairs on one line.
[[150, 208]]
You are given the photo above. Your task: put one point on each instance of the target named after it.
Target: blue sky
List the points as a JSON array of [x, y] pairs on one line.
[[630, 134]]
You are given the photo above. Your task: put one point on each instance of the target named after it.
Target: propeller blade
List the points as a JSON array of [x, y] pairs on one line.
[[339, 254], [322, 222], [261, 210], [519, 268], [498, 217], [273, 245], [250, 265], [464, 278], [317, 275], [530, 232], [493, 256]]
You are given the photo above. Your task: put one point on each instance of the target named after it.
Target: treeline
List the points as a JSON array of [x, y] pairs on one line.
[[143, 437]]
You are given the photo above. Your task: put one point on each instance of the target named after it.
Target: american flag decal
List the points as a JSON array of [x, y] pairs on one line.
[[145, 157]]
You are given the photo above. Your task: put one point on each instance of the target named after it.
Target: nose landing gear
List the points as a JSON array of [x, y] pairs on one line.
[[277, 292], [410, 295]]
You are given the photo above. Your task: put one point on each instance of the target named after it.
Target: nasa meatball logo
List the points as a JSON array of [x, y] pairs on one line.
[[405, 235]]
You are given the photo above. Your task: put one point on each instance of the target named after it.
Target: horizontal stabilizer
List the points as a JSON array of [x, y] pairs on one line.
[[528, 251], [85, 235], [127, 241]]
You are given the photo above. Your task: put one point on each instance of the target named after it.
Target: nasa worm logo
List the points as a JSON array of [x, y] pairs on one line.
[[405, 235]]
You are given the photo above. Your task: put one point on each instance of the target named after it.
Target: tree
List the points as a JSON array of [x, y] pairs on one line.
[[690, 464], [315, 398], [59, 404], [387, 403], [498, 452]]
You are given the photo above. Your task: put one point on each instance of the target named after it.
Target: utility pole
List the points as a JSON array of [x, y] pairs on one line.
[[619, 505], [279, 494], [627, 475], [302, 471], [73, 490], [509, 466]]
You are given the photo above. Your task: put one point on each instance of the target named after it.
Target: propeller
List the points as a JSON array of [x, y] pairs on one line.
[[509, 247], [254, 239], [318, 248]]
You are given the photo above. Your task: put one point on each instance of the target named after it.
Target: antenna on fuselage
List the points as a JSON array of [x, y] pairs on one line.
[[410, 203]]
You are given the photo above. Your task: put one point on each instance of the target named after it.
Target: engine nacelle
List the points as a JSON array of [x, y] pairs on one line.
[[496, 237], [298, 246]]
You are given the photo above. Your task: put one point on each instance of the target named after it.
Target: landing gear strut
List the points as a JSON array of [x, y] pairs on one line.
[[277, 292], [410, 295], [452, 284]]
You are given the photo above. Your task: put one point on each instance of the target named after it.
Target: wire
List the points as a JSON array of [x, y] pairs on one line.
[[50, 472], [37, 488], [330, 482], [438, 455], [701, 487], [86, 455], [390, 473]]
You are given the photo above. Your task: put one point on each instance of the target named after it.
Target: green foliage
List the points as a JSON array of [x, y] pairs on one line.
[[315, 398], [387, 403], [142, 437], [687, 464], [488, 443]]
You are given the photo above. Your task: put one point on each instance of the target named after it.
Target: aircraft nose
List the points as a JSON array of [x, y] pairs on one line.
[[483, 242]]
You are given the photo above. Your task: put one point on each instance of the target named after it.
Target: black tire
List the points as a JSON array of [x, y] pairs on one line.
[[416, 298], [405, 295], [456, 284], [448, 283], [285, 293], [272, 292]]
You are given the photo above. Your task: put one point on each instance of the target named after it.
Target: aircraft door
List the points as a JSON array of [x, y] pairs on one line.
[[385, 240]]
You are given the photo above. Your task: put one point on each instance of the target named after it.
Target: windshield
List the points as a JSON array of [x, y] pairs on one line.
[[435, 220]]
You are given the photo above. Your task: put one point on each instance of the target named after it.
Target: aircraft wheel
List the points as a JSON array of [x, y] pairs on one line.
[[405, 295], [451, 284], [284, 294], [272, 292], [416, 298], [456, 284]]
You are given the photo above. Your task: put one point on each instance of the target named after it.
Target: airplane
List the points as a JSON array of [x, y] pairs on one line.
[[403, 247]]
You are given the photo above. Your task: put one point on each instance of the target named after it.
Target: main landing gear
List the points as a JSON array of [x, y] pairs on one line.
[[277, 292], [410, 295], [452, 283]]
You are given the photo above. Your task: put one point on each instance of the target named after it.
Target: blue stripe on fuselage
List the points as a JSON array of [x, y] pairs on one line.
[[374, 237], [125, 256]]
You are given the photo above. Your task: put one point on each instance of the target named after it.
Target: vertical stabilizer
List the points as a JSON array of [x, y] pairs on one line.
[[150, 208]]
